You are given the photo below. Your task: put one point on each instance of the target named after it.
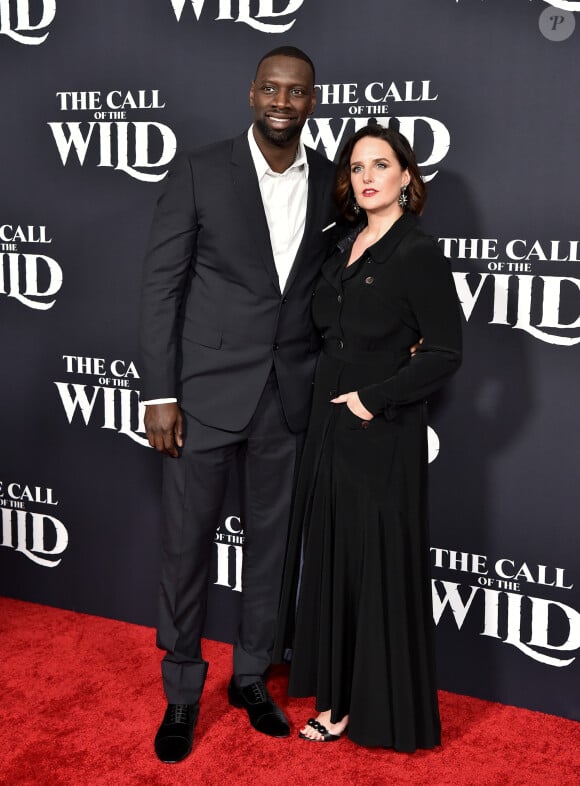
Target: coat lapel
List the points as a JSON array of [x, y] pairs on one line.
[[333, 267], [248, 191], [380, 251], [386, 245]]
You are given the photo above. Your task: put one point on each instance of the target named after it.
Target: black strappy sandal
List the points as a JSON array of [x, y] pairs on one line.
[[326, 735]]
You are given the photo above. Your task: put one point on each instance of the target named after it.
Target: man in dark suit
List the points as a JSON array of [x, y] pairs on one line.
[[228, 357]]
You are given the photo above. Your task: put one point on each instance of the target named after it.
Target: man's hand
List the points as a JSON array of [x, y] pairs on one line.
[[164, 428], [354, 403]]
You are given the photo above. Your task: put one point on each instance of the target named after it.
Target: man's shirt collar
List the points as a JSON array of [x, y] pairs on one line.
[[262, 166]]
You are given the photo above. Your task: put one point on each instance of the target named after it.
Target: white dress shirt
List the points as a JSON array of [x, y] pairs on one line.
[[284, 196]]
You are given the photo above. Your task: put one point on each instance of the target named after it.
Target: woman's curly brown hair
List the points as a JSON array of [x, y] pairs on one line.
[[343, 192]]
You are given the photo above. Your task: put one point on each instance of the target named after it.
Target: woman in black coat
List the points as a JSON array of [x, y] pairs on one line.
[[361, 630]]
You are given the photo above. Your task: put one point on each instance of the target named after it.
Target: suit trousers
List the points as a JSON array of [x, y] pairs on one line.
[[194, 486]]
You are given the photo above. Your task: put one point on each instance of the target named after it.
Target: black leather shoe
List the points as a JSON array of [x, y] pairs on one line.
[[174, 738], [264, 715]]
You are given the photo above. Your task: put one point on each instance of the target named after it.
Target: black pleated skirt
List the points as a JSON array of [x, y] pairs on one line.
[[362, 629]]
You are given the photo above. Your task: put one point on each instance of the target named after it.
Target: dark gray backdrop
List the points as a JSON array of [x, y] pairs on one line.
[[494, 100]]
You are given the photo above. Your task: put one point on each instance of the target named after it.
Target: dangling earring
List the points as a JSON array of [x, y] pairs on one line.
[[356, 208], [403, 198]]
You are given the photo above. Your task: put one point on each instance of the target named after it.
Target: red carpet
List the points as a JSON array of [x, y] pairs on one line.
[[81, 701]]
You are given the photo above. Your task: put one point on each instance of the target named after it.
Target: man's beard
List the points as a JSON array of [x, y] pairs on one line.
[[281, 137]]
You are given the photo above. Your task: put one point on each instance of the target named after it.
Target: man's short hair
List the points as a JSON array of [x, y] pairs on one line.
[[289, 51]]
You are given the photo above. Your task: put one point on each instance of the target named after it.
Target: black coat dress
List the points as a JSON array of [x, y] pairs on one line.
[[361, 633]]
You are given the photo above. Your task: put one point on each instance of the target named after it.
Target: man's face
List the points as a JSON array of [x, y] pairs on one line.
[[282, 96]]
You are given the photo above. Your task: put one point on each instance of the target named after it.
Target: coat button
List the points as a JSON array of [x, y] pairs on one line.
[[340, 343], [364, 424], [284, 299], [369, 279], [274, 347], [339, 298]]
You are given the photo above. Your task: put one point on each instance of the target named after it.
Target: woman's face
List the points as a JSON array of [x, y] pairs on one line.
[[376, 176]]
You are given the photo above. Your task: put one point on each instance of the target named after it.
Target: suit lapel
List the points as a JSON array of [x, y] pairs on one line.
[[314, 218], [248, 191]]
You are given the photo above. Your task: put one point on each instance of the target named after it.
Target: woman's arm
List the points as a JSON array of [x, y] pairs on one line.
[[433, 300]]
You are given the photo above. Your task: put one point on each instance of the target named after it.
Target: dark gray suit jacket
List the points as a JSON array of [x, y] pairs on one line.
[[213, 318]]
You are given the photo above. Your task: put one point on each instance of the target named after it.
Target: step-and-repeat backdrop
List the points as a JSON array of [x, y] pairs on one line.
[[96, 98]]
